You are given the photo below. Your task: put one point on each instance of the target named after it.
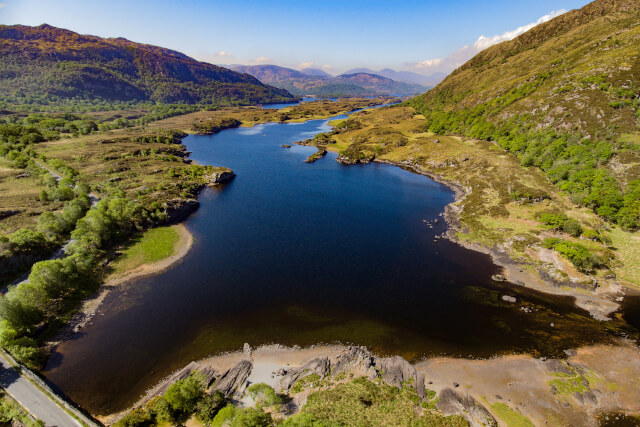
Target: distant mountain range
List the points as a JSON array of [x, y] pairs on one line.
[[403, 76], [45, 64], [316, 82]]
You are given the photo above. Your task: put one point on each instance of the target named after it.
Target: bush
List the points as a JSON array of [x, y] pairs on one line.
[[137, 418], [579, 255], [183, 395], [223, 416], [263, 395], [251, 417], [572, 227], [208, 407], [553, 221]]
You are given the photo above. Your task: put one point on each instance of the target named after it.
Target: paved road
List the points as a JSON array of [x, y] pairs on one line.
[[32, 398]]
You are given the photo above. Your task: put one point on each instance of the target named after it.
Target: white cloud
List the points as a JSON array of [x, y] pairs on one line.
[[220, 58], [327, 67], [465, 53], [262, 59], [307, 64]]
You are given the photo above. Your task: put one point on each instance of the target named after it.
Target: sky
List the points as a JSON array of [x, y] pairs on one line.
[[424, 36]]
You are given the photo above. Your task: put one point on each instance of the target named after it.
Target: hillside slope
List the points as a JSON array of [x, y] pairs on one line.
[[564, 97], [44, 64]]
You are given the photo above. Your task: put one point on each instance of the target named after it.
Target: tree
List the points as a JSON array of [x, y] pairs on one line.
[[183, 395], [208, 406]]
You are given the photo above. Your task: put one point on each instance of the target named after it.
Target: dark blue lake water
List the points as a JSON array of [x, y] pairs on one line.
[[300, 254]]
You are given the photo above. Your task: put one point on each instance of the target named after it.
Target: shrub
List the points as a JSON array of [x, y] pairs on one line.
[[579, 255], [223, 416], [137, 418], [263, 395], [572, 227], [251, 417], [553, 221], [209, 406], [184, 395]]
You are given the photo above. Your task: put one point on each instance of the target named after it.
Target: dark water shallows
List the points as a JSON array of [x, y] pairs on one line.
[[298, 253]]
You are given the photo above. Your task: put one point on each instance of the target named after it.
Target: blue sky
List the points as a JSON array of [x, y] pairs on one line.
[[416, 35]]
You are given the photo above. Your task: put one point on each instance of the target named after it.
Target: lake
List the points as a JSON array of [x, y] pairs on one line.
[[301, 254]]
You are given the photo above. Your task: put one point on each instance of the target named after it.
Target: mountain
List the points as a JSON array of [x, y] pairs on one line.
[[315, 72], [564, 97], [403, 76], [45, 64], [379, 84], [269, 73], [318, 83]]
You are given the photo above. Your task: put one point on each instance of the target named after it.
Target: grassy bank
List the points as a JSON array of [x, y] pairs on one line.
[[149, 247]]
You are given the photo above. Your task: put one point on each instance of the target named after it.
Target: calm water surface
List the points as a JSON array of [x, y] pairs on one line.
[[298, 253]]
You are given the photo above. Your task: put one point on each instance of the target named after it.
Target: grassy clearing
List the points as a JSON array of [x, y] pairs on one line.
[[628, 249], [152, 246], [19, 191]]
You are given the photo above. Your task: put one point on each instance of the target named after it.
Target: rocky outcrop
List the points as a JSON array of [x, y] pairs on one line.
[[178, 209], [357, 360], [234, 379], [396, 371], [348, 159], [319, 366], [316, 156], [180, 375], [451, 403], [220, 177]]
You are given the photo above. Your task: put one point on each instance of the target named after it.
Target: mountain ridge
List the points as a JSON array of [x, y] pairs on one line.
[[52, 64], [354, 84], [564, 97]]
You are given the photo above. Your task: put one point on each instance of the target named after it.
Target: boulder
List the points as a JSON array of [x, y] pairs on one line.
[[234, 379], [209, 375], [396, 371], [451, 403], [319, 366], [217, 178], [357, 360], [178, 209]]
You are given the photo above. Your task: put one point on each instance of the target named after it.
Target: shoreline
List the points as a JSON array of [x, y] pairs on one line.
[[519, 380], [91, 305], [599, 307]]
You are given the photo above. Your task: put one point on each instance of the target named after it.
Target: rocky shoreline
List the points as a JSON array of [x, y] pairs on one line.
[[600, 306], [474, 389]]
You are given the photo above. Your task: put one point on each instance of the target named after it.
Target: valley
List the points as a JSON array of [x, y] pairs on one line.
[[183, 243]]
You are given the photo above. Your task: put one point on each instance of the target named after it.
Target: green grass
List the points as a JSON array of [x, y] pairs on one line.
[[628, 248], [152, 246], [11, 413], [362, 402], [509, 416], [569, 386]]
